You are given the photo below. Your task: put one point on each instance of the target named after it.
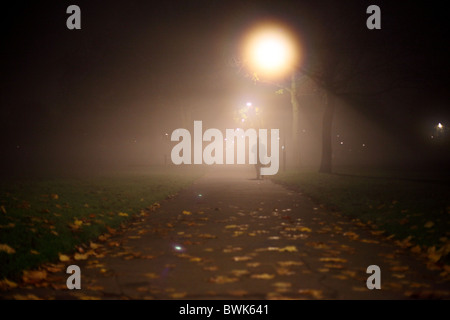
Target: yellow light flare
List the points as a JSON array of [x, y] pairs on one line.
[[270, 50]]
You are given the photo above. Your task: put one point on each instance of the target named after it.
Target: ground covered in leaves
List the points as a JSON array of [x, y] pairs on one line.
[[41, 219], [229, 236]]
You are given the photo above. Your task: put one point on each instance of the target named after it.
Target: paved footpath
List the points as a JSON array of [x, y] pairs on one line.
[[229, 236]]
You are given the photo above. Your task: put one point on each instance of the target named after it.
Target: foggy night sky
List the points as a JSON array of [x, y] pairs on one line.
[[105, 94]]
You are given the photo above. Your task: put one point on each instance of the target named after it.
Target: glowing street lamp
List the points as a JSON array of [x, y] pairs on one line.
[[270, 50]]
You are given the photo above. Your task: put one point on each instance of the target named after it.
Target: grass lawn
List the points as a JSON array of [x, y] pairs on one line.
[[402, 206], [40, 218]]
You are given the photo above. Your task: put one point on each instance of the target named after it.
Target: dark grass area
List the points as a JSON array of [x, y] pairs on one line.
[[40, 218], [403, 205]]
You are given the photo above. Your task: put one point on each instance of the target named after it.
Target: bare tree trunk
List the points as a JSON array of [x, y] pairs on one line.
[[326, 163], [295, 121]]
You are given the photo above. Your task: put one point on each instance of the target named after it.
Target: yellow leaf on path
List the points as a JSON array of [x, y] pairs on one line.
[[351, 235], [239, 273], [63, 257], [7, 249], [284, 271], [288, 249], [400, 268], [2, 208], [77, 222], [54, 196], [185, 212], [178, 295], [6, 284], [263, 276], [123, 214], [151, 275], [429, 224], [242, 258], [222, 279], [253, 264], [195, 259], [34, 276], [80, 256], [304, 229], [317, 294], [34, 252], [94, 245]]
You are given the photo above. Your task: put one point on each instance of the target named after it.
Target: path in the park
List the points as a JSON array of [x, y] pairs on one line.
[[229, 236]]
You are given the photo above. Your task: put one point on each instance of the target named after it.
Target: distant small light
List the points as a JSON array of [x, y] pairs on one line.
[[167, 134], [282, 147], [432, 137], [342, 142], [242, 120], [363, 144], [178, 248], [200, 195], [440, 126], [249, 104]]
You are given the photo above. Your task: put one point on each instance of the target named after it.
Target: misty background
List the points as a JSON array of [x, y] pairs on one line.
[[106, 96]]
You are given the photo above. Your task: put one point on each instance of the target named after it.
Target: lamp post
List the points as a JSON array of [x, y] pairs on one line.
[[271, 52]]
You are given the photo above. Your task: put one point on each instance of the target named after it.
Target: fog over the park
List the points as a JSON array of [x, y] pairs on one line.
[[110, 95]]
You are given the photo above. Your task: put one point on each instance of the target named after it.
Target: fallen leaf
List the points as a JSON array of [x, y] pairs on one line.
[[290, 263], [399, 268], [317, 294], [351, 235], [123, 214], [253, 264], [80, 256], [222, 279], [7, 249], [207, 236], [263, 276], [178, 295], [242, 258], [211, 268], [34, 276], [2, 208], [416, 249], [94, 245], [239, 273], [54, 196], [63, 257], [288, 249], [185, 212], [284, 271], [6, 284], [238, 293], [304, 229], [34, 252], [151, 275], [429, 224]]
